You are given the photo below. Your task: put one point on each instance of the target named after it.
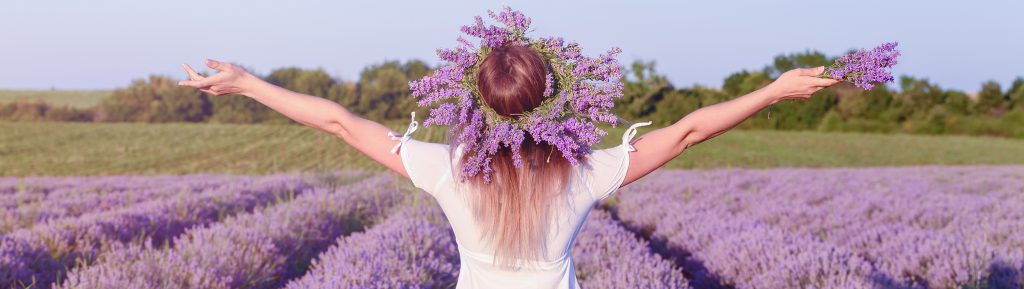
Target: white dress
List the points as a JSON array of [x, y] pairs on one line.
[[430, 167]]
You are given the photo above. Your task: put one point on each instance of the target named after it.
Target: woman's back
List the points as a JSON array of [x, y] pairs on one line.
[[430, 168]]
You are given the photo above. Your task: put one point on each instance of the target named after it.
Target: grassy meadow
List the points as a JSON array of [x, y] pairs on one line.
[[73, 98], [65, 149]]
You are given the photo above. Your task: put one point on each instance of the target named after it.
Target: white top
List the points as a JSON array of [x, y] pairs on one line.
[[430, 167]]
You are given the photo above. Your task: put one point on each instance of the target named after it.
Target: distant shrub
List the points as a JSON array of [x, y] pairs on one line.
[[1010, 124], [237, 109], [67, 113], [913, 105], [869, 125], [23, 110], [831, 122], [158, 99]]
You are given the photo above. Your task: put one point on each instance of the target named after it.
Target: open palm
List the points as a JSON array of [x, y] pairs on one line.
[[228, 80]]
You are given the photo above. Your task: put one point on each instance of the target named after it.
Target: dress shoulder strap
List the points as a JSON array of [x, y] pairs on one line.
[[630, 132], [405, 137]]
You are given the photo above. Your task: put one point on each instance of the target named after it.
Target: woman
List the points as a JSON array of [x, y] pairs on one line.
[[515, 231]]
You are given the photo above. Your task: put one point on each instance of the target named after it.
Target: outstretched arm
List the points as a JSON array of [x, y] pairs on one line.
[[657, 147], [365, 135]]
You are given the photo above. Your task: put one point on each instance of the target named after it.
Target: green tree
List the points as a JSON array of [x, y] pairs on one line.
[[1015, 95], [238, 109], [315, 82], [957, 102], [990, 99], [175, 103], [801, 115], [917, 97], [643, 88], [158, 99], [743, 82], [383, 89], [863, 104], [676, 104], [832, 121], [935, 122], [809, 58]]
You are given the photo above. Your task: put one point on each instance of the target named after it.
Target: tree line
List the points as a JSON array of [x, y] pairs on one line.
[[910, 105], [381, 92]]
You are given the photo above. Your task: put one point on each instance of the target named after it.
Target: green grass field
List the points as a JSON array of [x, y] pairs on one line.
[[62, 149], [73, 98]]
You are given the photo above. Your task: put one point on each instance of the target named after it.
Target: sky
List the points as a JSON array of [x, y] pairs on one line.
[[104, 44]]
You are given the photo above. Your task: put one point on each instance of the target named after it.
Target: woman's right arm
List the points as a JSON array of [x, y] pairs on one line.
[[659, 146], [364, 135]]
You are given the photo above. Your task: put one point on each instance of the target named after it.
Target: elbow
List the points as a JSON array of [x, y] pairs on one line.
[[693, 139], [336, 128], [689, 134]]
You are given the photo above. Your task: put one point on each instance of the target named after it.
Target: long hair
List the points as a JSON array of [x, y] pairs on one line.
[[516, 207]]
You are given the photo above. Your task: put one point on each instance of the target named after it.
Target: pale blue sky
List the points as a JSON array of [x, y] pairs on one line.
[[100, 44]]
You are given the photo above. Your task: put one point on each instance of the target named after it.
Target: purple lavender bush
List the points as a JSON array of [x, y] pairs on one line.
[[414, 248], [865, 68], [609, 256], [923, 227], [905, 220], [28, 201], [42, 254], [905, 227], [724, 249], [262, 249]]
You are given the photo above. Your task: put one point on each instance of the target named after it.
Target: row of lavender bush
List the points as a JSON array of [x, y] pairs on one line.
[[922, 227], [262, 249], [609, 256], [415, 248], [27, 201], [39, 256], [837, 228], [936, 227]]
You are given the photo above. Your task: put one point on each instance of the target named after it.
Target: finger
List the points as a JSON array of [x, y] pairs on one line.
[[202, 83], [823, 82], [220, 66], [205, 82], [191, 73], [814, 71]]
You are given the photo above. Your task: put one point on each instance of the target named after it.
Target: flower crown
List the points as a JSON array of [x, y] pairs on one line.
[[579, 92]]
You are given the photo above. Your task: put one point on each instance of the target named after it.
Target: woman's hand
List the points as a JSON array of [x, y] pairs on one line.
[[230, 79], [799, 84]]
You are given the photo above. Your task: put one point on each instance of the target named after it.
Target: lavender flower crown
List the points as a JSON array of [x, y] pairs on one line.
[[579, 93]]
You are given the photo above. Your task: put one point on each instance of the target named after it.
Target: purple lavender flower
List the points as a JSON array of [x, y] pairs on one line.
[[865, 68], [262, 249], [41, 254], [413, 248], [923, 227], [40, 199], [609, 256]]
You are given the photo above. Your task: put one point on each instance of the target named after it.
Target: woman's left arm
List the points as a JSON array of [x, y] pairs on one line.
[[367, 136], [658, 147]]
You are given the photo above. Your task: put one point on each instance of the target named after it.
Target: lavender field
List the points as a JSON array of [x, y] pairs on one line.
[[892, 227]]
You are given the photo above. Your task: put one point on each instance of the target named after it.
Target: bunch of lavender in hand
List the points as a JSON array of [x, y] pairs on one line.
[[865, 68]]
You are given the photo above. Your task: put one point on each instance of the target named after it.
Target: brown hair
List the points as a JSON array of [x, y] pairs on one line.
[[516, 207]]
